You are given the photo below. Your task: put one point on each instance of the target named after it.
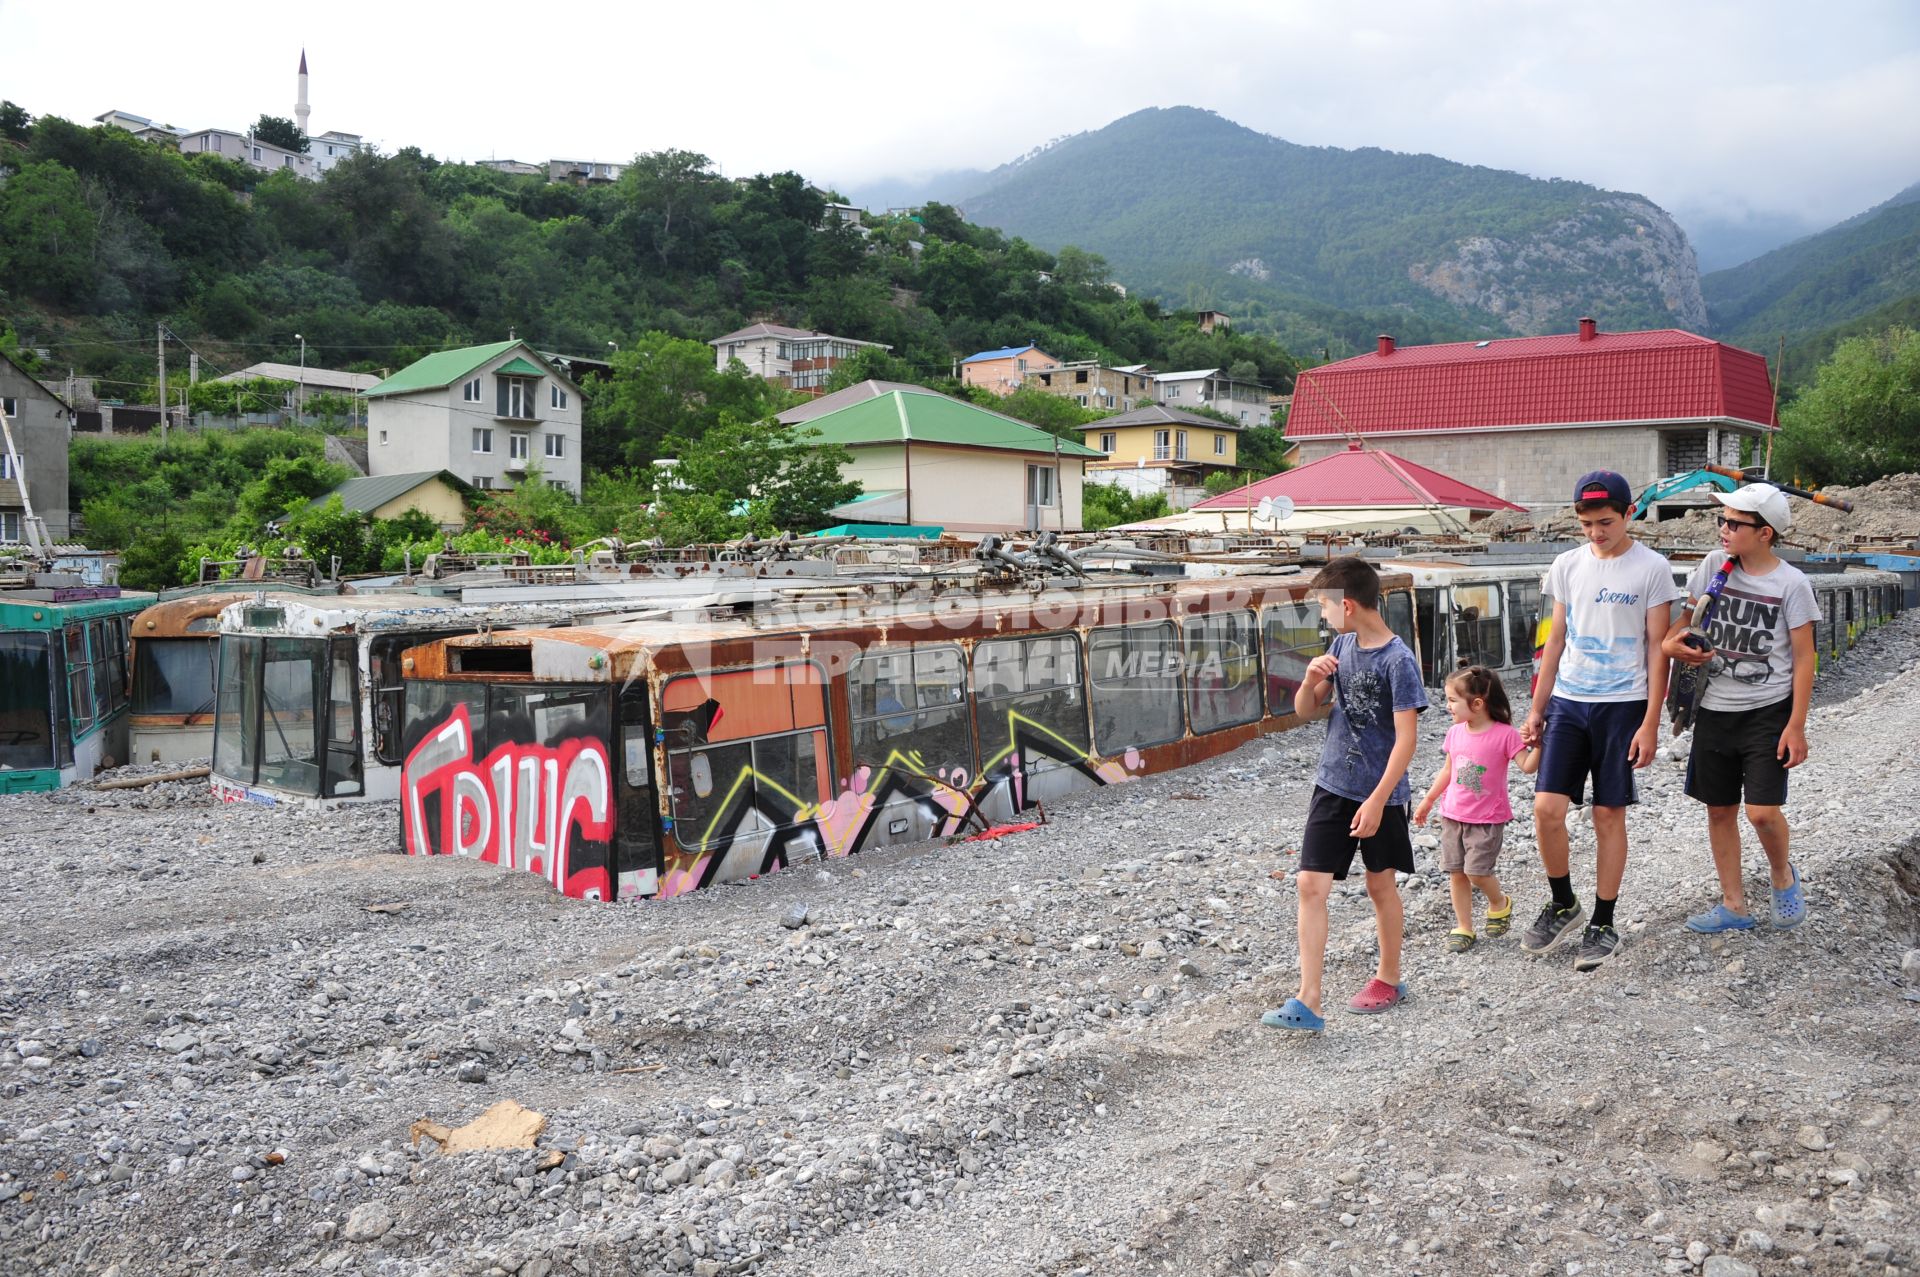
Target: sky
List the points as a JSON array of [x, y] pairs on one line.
[[1763, 111]]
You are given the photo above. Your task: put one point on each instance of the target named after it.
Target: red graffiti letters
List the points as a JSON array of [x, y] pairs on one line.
[[517, 807]]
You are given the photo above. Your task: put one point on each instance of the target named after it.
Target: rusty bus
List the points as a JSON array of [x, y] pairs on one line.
[[659, 755]]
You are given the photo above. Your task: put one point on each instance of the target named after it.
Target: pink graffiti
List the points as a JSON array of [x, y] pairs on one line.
[[517, 808]]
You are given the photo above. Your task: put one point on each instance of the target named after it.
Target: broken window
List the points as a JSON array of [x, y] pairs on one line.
[[1135, 673]]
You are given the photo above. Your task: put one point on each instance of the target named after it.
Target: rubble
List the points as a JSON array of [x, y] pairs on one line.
[[209, 1065]]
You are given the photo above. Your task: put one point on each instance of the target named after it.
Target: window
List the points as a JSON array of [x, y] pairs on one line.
[[26, 701], [910, 711], [1040, 486], [256, 155], [483, 439], [1162, 445], [514, 397], [1109, 441], [470, 392], [556, 445], [383, 438], [1219, 445], [1082, 400], [559, 397], [517, 446], [174, 676], [1292, 639], [1080, 378], [1222, 670], [10, 526], [1179, 445], [1173, 392], [559, 485], [1478, 632], [1135, 672], [11, 406], [1027, 698], [1523, 618], [746, 750], [79, 679], [483, 481]]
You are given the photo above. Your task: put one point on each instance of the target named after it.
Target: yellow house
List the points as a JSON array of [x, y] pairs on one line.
[[1160, 449], [438, 494]]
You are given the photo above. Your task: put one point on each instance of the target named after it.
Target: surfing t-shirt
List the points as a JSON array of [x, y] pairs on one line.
[[1752, 632], [1607, 602]]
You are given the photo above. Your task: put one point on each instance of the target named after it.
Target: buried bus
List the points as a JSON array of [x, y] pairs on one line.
[[63, 682], [656, 756]]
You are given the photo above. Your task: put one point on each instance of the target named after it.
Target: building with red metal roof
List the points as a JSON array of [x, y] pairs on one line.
[[1354, 479], [1526, 416]]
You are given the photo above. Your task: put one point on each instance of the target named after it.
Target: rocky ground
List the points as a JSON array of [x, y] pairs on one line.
[[1037, 1056]]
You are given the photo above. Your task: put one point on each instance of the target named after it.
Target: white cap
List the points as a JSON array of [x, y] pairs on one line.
[[1762, 499]]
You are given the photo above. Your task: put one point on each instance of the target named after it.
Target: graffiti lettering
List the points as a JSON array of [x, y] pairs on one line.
[[519, 807]]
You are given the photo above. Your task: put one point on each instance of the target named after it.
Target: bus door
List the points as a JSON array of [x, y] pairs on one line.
[[636, 826], [343, 720]]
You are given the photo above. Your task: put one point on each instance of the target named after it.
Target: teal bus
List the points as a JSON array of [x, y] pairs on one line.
[[63, 682]]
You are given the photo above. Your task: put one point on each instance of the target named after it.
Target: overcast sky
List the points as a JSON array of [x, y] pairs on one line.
[[1809, 111]]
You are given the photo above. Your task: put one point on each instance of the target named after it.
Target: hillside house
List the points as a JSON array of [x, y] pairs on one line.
[[488, 414], [796, 358], [1249, 402], [1159, 449], [1092, 385], [441, 495], [1005, 370], [927, 459], [42, 426], [1527, 416], [247, 149]]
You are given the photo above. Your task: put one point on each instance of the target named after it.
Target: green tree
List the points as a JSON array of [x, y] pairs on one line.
[[1262, 451], [664, 385], [15, 123], [1055, 414], [1103, 505], [1860, 420], [46, 234], [280, 132], [765, 477]]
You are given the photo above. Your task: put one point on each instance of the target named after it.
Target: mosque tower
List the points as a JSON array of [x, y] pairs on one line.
[[300, 107]]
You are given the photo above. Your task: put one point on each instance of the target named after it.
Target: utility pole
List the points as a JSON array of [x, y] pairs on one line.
[[160, 386], [300, 404]]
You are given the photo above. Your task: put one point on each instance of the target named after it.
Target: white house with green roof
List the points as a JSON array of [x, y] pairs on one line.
[[489, 414], [929, 459]]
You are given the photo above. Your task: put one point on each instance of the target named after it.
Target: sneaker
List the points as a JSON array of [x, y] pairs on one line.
[[1596, 946], [1554, 927], [1498, 924], [1718, 919]]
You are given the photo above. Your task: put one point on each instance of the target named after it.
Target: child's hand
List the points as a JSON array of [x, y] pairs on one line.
[[1366, 821], [1675, 647], [1793, 746], [1321, 667], [1421, 812], [1534, 727], [1645, 744]]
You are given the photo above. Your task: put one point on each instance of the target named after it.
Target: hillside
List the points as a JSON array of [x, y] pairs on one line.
[[1865, 264], [1206, 212]]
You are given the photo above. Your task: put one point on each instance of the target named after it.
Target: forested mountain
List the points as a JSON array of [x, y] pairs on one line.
[[388, 257], [1299, 239], [1866, 264]]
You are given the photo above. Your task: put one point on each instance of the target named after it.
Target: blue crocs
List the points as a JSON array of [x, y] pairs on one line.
[[1718, 919], [1295, 1015], [1790, 905]]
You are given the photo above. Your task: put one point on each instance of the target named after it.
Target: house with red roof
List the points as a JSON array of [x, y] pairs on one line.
[[1525, 417], [1363, 478]]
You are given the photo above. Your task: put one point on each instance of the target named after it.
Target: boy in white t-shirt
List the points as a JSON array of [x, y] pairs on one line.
[[1596, 708], [1752, 724]]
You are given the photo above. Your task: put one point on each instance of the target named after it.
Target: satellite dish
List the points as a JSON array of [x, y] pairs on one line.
[[1265, 509], [1282, 508]]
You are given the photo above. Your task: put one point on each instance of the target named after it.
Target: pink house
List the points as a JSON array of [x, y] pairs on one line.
[[1002, 371]]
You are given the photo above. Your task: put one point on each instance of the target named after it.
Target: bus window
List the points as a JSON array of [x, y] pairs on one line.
[[26, 702], [234, 728], [911, 702], [1135, 671], [1397, 609], [1523, 616], [292, 681], [1027, 698], [79, 679], [1222, 670], [1479, 635], [747, 750], [1426, 605], [343, 721], [637, 841], [389, 689], [173, 676], [1292, 640]]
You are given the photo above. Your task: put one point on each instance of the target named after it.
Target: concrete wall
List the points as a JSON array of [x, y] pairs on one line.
[[435, 499], [1537, 467], [42, 433]]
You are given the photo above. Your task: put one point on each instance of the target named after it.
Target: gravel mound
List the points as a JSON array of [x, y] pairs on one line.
[[219, 1023]]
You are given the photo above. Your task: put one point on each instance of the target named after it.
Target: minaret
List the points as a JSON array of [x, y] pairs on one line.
[[300, 107]]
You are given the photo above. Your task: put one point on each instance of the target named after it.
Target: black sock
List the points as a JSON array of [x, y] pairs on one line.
[[1602, 912], [1563, 897]]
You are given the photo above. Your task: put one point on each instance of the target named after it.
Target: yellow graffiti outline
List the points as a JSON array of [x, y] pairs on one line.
[[1013, 714]]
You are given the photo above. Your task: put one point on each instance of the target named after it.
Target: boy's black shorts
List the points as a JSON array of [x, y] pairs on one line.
[[1328, 848], [1736, 749]]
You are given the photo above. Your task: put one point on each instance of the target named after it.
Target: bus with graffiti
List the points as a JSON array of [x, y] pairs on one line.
[[655, 756]]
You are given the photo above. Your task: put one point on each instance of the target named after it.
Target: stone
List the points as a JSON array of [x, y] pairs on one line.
[[471, 1071], [1697, 1253], [1811, 1138], [795, 918], [1752, 1241], [1711, 1152], [1910, 964], [1727, 1266], [369, 1221]]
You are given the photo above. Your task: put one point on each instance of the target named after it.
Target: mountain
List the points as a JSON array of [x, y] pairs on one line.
[[1204, 212], [1721, 240], [1865, 264]]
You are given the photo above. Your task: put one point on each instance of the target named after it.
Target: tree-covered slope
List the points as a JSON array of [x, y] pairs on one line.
[[1203, 210], [1865, 264]]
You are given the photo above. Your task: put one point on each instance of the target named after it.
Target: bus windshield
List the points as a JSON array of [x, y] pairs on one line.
[[270, 711], [26, 702], [174, 676]]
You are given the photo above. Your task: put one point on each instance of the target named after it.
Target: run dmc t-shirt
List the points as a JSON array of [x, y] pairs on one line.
[[1478, 794], [1752, 632], [1607, 604], [1368, 688]]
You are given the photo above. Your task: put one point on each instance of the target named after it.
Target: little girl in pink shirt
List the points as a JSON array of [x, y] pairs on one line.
[[1472, 792]]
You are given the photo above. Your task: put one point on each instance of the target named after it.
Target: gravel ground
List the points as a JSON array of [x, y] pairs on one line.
[[1037, 1056]]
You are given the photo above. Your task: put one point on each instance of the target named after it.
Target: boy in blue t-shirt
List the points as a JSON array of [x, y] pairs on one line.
[[1368, 687]]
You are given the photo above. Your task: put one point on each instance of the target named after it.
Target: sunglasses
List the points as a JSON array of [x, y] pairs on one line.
[[1725, 522]]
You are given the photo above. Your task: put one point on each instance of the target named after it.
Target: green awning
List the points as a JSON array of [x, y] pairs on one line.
[[921, 531]]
